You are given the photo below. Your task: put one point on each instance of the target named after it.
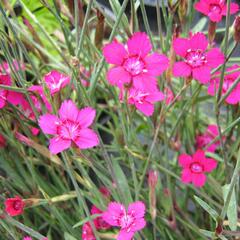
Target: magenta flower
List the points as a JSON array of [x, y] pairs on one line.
[[195, 167], [129, 221], [215, 9], [234, 96], [204, 139], [197, 61], [98, 221], [14, 206], [27, 238], [144, 100], [133, 64], [7, 96], [70, 127], [56, 81], [87, 232]]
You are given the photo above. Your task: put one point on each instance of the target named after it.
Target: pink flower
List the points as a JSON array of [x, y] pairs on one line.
[[70, 127], [2, 141], [129, 221], [144, 100], [197, 61], [14, 206], [98, 221], [133, 64], [56, 81], [7, 96], [234, 96], [204, 139], [5, 68], [87, 232], [27, 238], [195, 166], [215, 9]]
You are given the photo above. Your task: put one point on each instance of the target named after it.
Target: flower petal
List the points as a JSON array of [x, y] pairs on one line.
[[199, 41], [214, 58], [186, 176], [48, 123], [118, 76], [215, 17], [137, 209], [139, 224], [209, 164], [198, 179], [202, 7], [87, 138], [68, 111], [124, 235], [14, 98], [114, 211], [180, 46], [155, 97], [86, 117], [234, 8], [145, 82], [114, 53], [58, 145], [139, 44], [156, 64], [146, 108], [185, 160], [181, 69], [199, 156], [202, 74]]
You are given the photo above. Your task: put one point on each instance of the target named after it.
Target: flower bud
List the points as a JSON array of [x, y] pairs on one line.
[[152, 178], [236, 29], [152, 182]]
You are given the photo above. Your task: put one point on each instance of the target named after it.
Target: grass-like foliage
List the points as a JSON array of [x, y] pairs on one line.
[[119, 122]]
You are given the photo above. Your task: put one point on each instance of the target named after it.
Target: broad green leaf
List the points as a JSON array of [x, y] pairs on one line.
[[207, 208], [232, 207]]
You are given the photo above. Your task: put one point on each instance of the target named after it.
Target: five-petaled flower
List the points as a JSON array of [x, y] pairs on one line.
[[130, 221], [197, 61], [55, 81], [195, 167], [14, 206], [143, 100], [72, 126], [229, 79], [133, 65], [215, 9], [204, 139]]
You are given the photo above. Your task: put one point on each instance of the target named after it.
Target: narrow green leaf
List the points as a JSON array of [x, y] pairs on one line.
[[207, 208], [67, 236], [86, 220], [232, 207]]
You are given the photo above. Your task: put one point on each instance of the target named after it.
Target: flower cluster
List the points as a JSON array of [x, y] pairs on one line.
[[135, 71]]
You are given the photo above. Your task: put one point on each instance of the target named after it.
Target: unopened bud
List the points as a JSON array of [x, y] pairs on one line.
[[152, 178], [236, 29]]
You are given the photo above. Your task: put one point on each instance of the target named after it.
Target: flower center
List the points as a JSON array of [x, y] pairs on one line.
[[126, 221], [196, 168], [215, 8], [17, 205], [68, 130], [134, 65], [195, 58]]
